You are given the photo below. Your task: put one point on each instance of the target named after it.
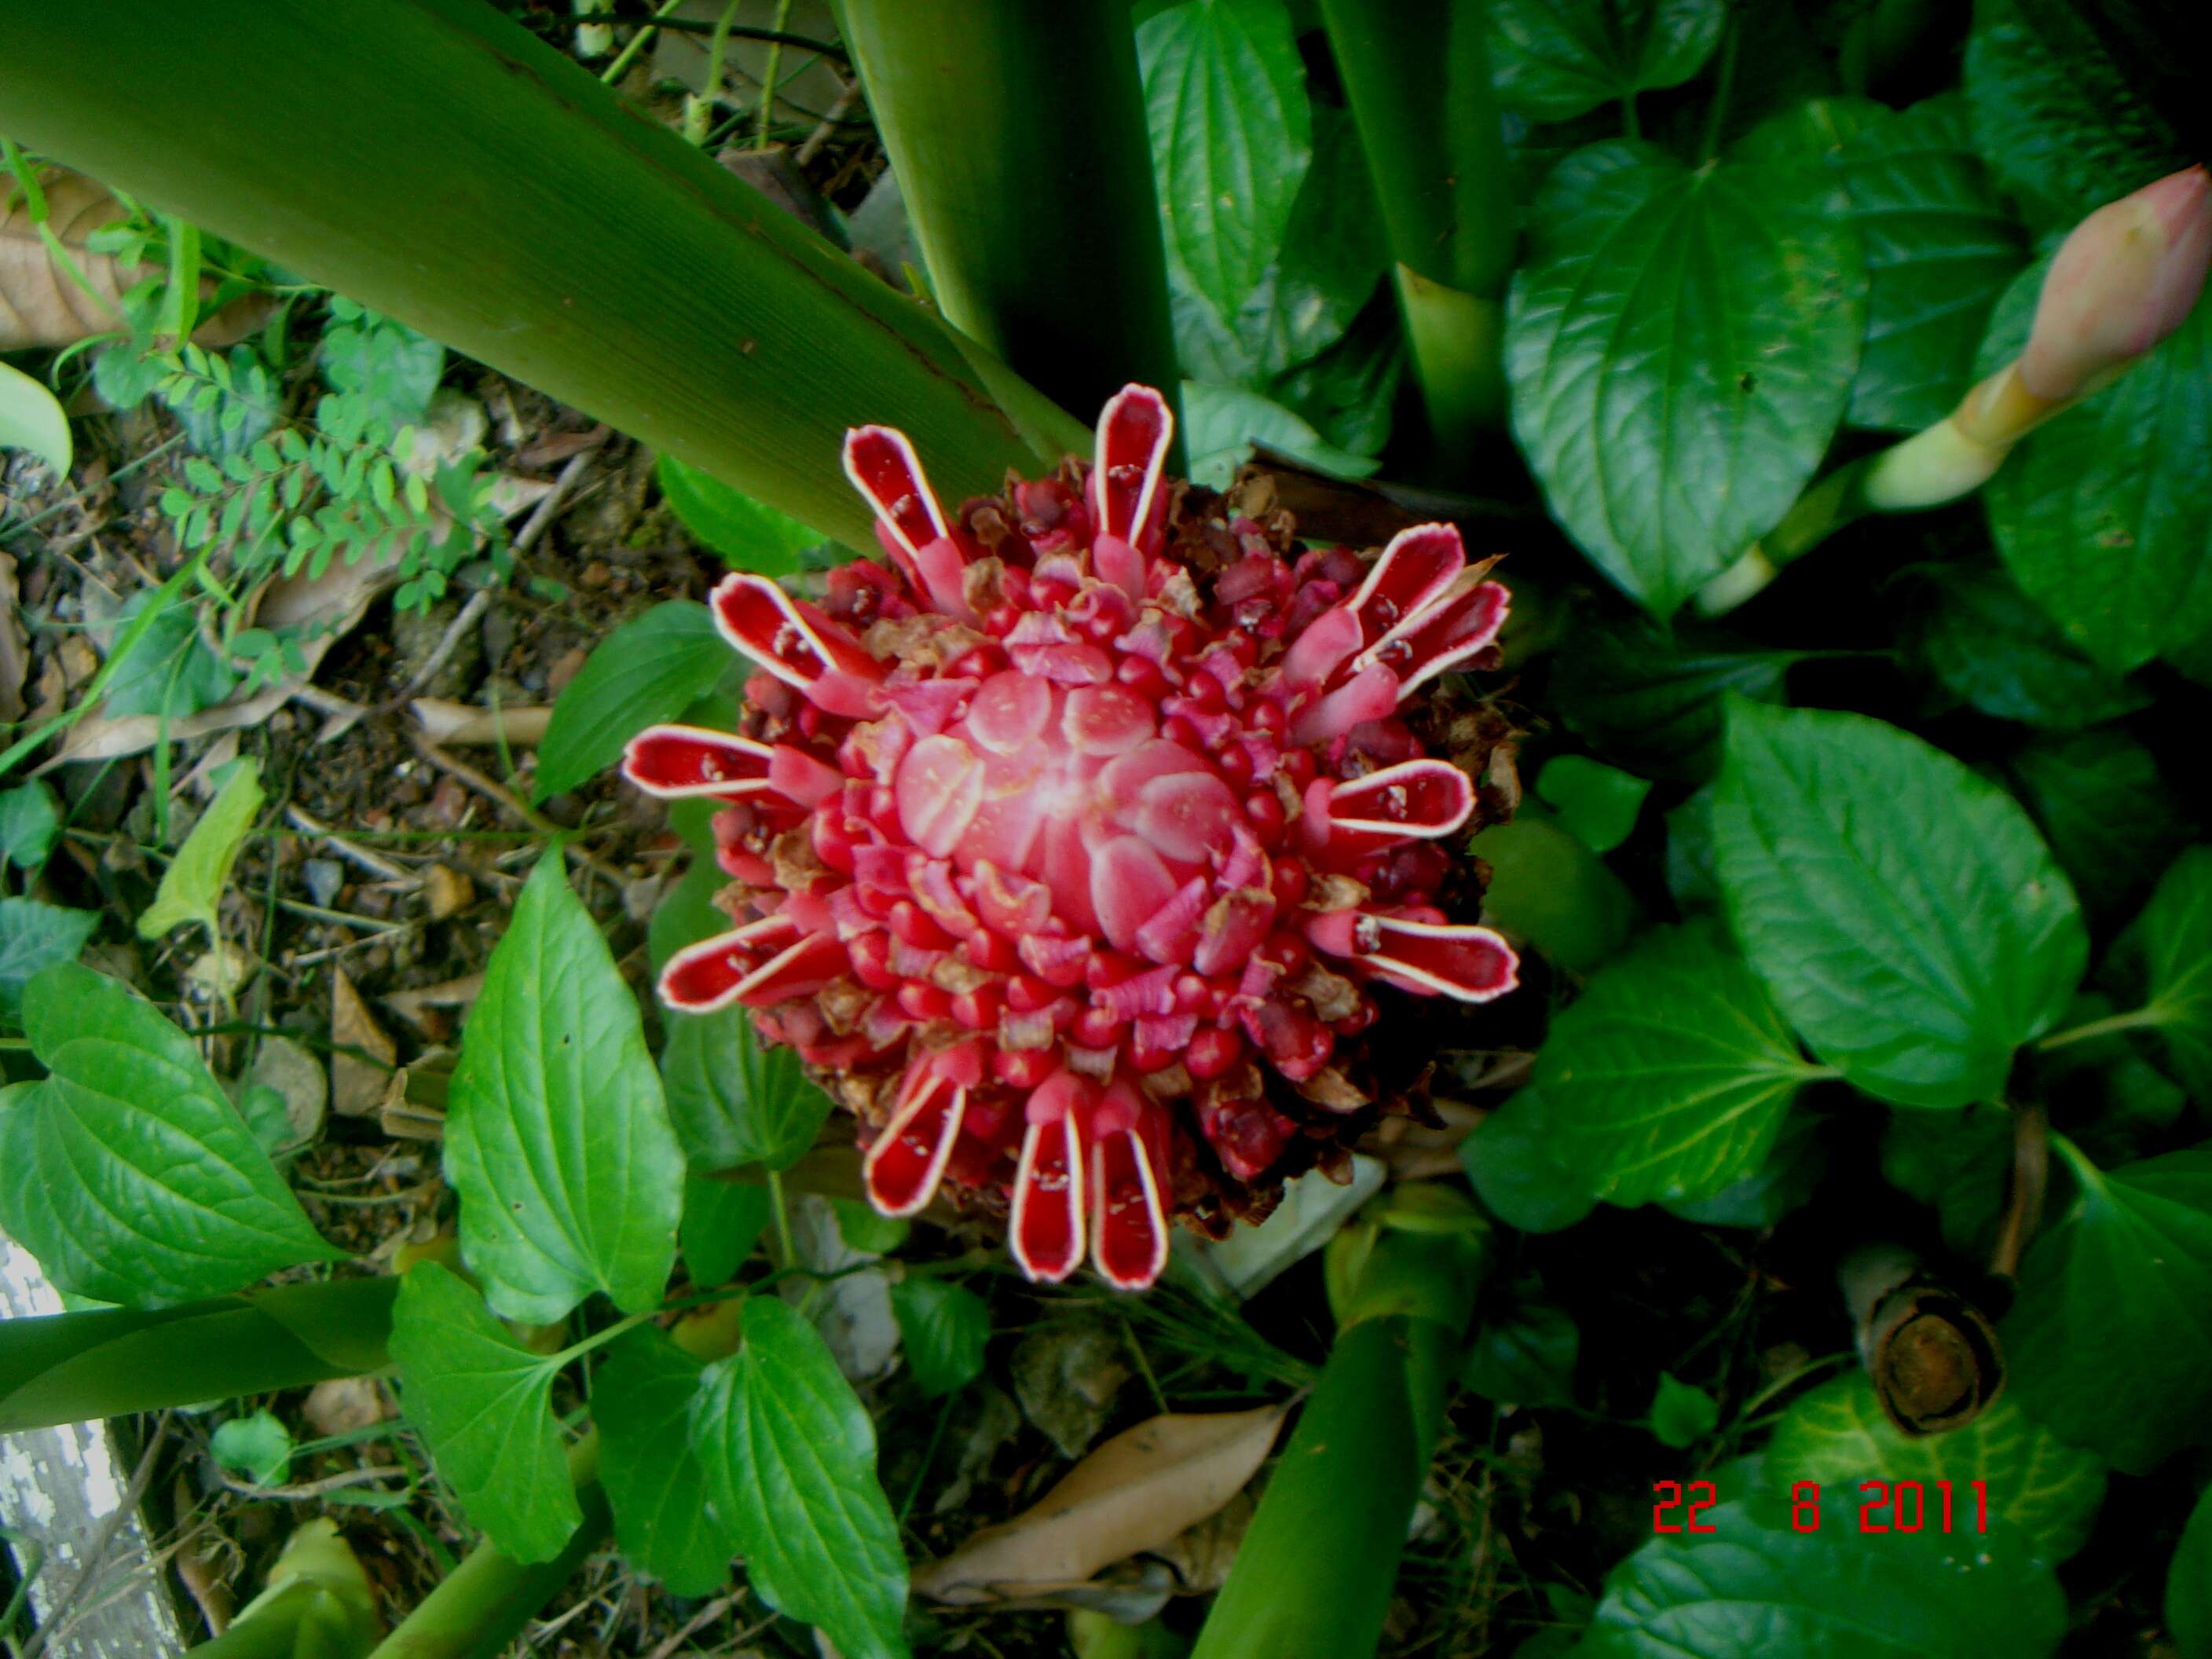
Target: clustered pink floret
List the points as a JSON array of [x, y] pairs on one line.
[[1072, 839]]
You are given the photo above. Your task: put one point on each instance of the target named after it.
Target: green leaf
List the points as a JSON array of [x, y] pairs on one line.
[[191, 887], [1670, 1076], [1838, 1436], [733, 1099], [2107, 810], [2189, 1585], [1597, 804], [751, 535], [2105, 515], [1550, 890], [127, 1172], [1941, 247], [1990, 646], [556, 1137], [1754, 1584], [722, 1222], [390, 369], [1909, 921], [650, 670], [1956, 1162], [2110, 1344], [1650, 699], [258, 1446], [944, 1328], [791, 1472], [2176, 933], [33, 937], [484, 1404], [1512, 1160], [641, 1400], [1232, 136], [1554, 59], [1222, 424], [168, 670], [1523, 1352], [1670, 324], [1683, 1414], [30, 418], [30, 824], [1784, 1179], [2057, 120]]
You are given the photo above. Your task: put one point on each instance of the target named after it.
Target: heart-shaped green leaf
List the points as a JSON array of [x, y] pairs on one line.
[[30, 418], [1992, 645], [943, 1328], [33, 937], [1680, 344], [751, 535], [1670, 1076], [127, 1171], [1513, 1161], [641, 1398], [1838, 1436], [790, 1457], [2176, 934], [2111, 1340], [191, 887], [484, 1404], [2070, 783], [648, 670], [722, 1222], [1650, 698], [2189, 1585], [557, 1136], [1553, 59], [1909, 921]]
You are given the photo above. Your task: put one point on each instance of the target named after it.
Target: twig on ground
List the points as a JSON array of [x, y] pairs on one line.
[[375, 863]]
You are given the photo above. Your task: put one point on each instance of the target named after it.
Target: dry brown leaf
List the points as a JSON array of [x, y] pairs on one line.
[[449, 993], [15, 647], [449, 723], [1139, 1492], [41, 305], [357, 1088], [342, 1405]]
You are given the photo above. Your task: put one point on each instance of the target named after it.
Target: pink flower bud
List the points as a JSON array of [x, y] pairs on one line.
[[2124, 280]]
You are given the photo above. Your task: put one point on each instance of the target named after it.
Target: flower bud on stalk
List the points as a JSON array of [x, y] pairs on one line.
[[2122, 281]]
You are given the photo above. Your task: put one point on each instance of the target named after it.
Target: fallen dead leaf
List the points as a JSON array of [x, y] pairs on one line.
[[448, 994], [447, 892], [15, 647], [358, 1089], [1137, 1493], [344, 1404], [444, 722]]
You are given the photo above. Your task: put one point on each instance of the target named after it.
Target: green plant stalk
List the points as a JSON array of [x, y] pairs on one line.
[[433, 160], [1018, 134], [318, 1605], [486, 1602], [1312, 1579], [67, 1368], [1417, 74]]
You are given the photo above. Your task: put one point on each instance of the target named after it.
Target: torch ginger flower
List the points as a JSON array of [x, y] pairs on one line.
[[1077, 849]]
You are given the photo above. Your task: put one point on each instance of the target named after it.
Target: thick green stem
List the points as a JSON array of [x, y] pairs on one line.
[[67, 1368], [318, 1605], [488, 1599], [1018, 133], [434, 160], [1416, 73]]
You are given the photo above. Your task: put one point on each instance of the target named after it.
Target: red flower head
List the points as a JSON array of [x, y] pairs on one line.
[[1077, 850]]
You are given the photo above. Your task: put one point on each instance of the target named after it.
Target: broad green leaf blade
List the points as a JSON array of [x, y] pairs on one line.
[[722, 1222], [30, 823], [2189, 1585], [1669, 1079], [257, 1445], [1941, 247], [1225, 423], [1555, 59], [1650, 699], [1955, 1163], [30, 418], [2105, 516], [751, 535], [641, 1399], [2054, 116], [1232, 135], [2110, 1344], [1838, 1436], [791, 1472], [556, 1137], [1513, 1161], [33, 937], [1990, 646], [944, 1328], [191, 887], [1909, 921], [1681, 1415], [1597, 804], [1680, 345], [1523, 1352], [2176, 932], [1755, 1585], [734, 1100], [484, 1405], [648, 670], [1785, 1178], [1551, 891], [2070, 784], [127, 1172]]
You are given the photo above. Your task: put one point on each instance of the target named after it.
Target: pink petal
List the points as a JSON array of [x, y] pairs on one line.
[[940, 784], [1416, 567], [1134, 434], [907, 1160], [1130, 884], [882, 467], [1447, 633], [757, 966], [674, 762], [1415, 799], [1106, 720]]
